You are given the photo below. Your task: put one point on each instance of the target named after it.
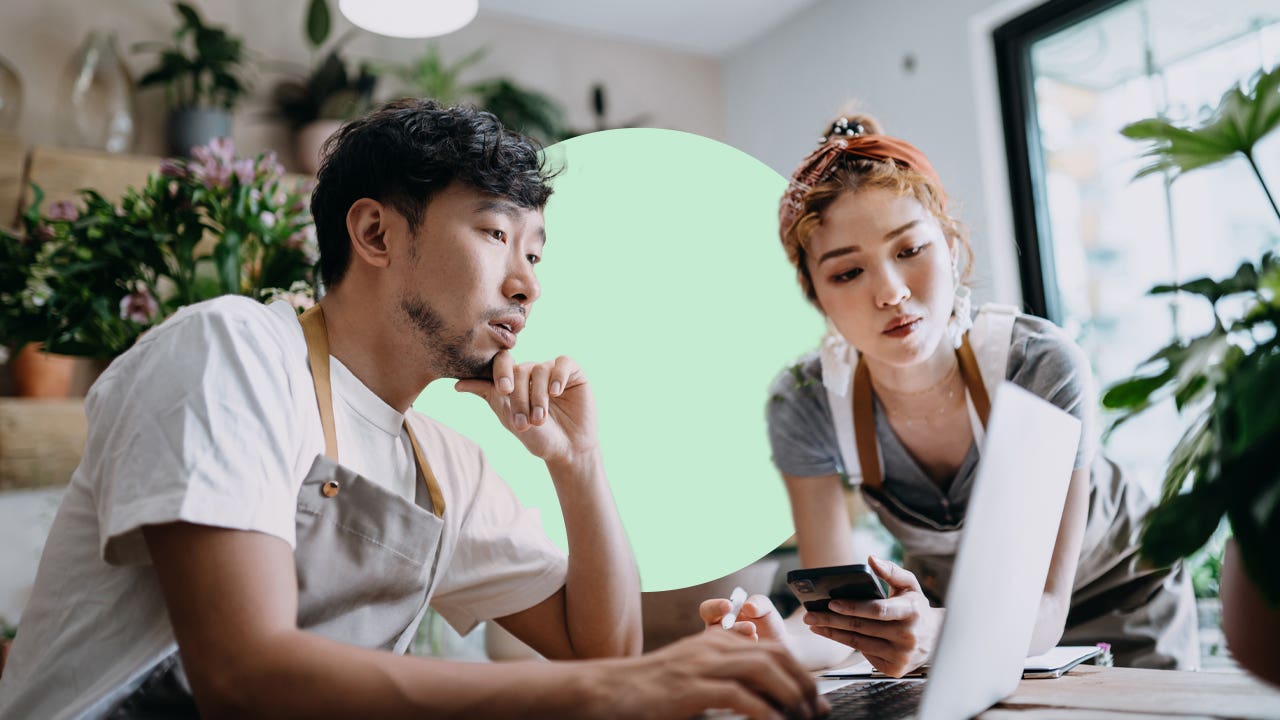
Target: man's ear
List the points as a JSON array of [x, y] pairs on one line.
[[367, 224]]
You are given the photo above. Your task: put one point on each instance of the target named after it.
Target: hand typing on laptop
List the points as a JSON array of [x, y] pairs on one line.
[[712, 670]]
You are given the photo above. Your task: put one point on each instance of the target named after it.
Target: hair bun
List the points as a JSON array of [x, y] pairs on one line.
[[852, 124], [870, 125]]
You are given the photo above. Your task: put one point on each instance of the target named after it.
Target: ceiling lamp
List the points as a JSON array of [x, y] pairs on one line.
[[409, 18]]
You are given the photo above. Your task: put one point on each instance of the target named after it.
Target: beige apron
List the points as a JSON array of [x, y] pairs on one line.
[[365, 557], [1146, 614], [930, 547]]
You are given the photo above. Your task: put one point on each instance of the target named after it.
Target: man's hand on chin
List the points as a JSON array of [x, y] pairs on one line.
[[547, 405]]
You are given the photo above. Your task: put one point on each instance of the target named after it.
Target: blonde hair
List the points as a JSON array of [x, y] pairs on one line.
[[854, 174]]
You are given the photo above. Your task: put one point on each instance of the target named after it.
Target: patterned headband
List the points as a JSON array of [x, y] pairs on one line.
[[849, 140]]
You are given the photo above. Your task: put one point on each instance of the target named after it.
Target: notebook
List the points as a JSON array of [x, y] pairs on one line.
[[1052, 664]]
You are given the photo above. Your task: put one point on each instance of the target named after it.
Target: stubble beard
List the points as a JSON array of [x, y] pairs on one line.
[[448, 353]]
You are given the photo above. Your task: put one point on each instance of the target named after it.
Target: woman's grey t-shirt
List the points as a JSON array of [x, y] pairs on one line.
[[1042, 359]]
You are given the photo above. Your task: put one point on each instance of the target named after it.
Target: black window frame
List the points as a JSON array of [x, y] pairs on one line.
[[1012, 43]]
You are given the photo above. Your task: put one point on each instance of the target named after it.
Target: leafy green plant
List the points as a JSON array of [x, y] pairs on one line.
[[90, 281], [201, 68], [329, 90], [1205, 566], [529, 111], [1226, 463]]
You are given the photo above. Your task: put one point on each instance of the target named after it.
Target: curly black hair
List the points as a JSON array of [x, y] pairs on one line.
[[406, 151]]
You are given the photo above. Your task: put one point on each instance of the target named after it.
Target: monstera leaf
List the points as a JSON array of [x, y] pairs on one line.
[[1241, 119]]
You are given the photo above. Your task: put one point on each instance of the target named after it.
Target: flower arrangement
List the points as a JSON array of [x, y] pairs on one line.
[[88, 281]]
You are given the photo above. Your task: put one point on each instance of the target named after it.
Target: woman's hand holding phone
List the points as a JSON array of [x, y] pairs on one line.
[[896, 635]]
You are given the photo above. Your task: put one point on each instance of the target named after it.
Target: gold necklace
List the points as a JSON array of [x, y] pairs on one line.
[[918, 393], [944, 404]]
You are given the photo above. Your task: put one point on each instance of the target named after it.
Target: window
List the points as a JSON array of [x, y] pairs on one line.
[[1092, 241]]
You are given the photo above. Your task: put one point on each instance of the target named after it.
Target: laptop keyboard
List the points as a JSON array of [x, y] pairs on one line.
[[882, 699]]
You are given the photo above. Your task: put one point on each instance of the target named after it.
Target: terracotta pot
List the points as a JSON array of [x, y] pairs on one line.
[[37, 374], [310, 139], [1250, 625], [4, 653]]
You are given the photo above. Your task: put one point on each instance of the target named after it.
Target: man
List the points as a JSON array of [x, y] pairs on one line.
[[259, 517]]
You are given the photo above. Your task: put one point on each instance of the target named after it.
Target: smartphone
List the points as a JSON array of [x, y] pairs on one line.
[[815, 588]]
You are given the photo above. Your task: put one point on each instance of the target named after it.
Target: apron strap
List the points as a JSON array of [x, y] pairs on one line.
[[428, 477], [972, 375], [864, 416], [864, 423], [313, 330], [317, 338]]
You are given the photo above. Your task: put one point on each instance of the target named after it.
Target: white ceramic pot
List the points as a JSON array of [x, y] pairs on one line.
[[309, 141]]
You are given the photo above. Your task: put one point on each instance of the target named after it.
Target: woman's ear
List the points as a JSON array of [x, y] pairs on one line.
[[367, 221]]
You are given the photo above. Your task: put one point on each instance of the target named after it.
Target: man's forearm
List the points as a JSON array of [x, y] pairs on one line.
[[602, 590], [300, 674]]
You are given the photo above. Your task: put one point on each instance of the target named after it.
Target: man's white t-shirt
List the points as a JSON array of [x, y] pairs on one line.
[[212, 419]]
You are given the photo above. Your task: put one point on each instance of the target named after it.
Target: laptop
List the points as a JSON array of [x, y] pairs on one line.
[[1010, 529]]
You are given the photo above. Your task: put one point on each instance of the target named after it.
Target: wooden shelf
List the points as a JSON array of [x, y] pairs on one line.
[[40, 441]]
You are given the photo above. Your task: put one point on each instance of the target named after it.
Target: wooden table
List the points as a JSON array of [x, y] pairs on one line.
[[1101, 693]]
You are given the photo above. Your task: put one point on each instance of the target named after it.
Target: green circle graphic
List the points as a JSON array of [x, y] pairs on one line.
[[664, 279]]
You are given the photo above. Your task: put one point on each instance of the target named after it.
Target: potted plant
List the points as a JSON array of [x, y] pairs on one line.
[[36, 373], [1226, 464], [201, 74], [315, 103], [198, 228], [7, 633], [529, 111]]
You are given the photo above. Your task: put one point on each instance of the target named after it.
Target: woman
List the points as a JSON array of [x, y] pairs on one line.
[[865, 223]]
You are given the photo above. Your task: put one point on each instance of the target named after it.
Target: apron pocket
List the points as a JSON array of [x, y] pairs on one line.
[[365, 557]]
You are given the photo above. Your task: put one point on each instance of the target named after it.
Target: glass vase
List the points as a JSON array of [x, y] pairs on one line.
[[10, 96], [99, 111]]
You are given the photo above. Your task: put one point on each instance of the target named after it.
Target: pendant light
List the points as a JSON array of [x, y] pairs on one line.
[[409, 18]]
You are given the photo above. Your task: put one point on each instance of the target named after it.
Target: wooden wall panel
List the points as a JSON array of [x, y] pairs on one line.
[[61, 172], [40, 441], [13, 165]]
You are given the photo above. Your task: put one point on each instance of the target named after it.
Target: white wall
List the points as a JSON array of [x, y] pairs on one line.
[[675, 90], [782, 88]]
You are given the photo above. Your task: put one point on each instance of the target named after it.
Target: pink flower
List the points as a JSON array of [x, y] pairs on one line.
[[305, 241], [171, 168], [269, 166], [213, 174], [244, 171], [299, 300], [42, 234], [213, 163], [139, 306], [223, 149], [62, 210]]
